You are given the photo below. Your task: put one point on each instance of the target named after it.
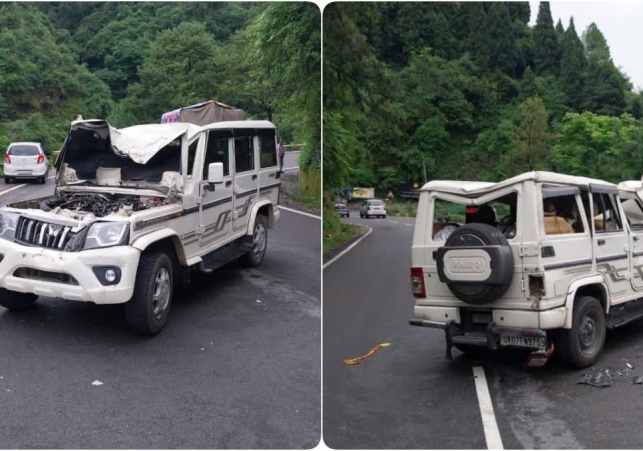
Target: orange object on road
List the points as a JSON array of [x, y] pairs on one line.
[[358, 360]]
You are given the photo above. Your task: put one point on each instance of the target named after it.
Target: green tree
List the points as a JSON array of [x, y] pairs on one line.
[[519, 11], [501, 38], [531, 138], [605, 86], [572, 68], [546, 45]]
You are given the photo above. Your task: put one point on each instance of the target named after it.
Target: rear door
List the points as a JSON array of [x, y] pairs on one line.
[[245, 179], [24, 157], [610, 241], [633, 209], [268, 165]]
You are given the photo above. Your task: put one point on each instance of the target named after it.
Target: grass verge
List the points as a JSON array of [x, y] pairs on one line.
[[311, 201], [335, 239], [408, 209]]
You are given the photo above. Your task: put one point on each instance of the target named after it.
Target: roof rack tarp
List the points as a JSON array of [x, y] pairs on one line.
[[204, 113]]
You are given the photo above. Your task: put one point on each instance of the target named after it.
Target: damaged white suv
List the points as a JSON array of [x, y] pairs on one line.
[[135, 209], [536, 260]]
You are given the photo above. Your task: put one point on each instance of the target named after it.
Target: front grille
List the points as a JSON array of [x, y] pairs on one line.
[[48, 276], [38, 233]]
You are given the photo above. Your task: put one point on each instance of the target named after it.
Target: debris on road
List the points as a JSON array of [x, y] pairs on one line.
[[600, 380], [637, 380], [258, 301], [629, 366], [358, 360], [97, 383]]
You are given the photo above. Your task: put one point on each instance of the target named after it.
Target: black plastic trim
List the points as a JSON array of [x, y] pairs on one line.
[[609, 258], [569, 264]]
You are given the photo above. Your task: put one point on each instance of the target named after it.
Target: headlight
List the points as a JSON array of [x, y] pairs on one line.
[[8, 222], [105, 234]]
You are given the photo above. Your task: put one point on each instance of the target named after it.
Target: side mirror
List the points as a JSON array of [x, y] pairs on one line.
[[215, 173]]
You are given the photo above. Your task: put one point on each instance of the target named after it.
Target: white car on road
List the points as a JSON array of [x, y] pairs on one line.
[[372, 207], [25, 160]]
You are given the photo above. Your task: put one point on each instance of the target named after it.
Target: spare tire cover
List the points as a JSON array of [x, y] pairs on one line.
[[476, 263]]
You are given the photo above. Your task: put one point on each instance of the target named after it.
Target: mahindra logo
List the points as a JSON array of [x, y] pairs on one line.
[[466, 265]]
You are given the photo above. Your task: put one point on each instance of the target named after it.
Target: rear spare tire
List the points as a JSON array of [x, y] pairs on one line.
[[476, 263]]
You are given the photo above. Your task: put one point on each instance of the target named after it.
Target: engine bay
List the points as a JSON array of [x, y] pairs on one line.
[[80, 206]]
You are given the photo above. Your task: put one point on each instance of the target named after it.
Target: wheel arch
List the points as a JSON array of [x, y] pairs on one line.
[[163, 239], [594, 286], [264, 207]]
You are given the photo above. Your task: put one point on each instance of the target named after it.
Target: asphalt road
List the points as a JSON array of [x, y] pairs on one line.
[[408, 396], [237, 366]]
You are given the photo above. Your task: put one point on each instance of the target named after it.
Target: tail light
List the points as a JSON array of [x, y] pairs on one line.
[[417, 283], [7, 159], [41, 158]]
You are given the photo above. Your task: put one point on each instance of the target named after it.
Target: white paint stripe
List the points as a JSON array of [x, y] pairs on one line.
[[491, 432], [12, 188], [345, 251], [300, 212]]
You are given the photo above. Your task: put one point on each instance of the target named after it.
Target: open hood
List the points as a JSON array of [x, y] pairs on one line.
[[142, 152]]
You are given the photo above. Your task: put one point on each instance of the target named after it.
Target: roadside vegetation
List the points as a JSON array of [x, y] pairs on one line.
[[470, 91], [337, 233], [130, 62]]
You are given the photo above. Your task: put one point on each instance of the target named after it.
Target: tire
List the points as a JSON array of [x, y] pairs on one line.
[[581, 345], [7, 180], [361, 215], [147, 312], [14, 300], [501, 263], [42, 180], [259, 242]]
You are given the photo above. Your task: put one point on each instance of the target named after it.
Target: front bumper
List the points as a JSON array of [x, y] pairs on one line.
[[78, 265]]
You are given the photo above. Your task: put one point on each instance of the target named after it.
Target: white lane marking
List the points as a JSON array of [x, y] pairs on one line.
[[20, 186], [398, 222], [345, 251], [300, 212], [491, 432], [12, 188]]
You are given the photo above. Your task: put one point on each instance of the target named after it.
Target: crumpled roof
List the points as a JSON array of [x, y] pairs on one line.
[[139, 142]]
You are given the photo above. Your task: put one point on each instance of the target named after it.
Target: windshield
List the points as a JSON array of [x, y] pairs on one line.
[[376, 202], [23, 151]]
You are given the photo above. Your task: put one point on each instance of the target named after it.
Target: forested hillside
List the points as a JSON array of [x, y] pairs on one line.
[[130, 62], [470, 91]]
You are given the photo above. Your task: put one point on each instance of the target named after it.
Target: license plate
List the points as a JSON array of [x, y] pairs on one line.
[[24, 172], [522, 342]]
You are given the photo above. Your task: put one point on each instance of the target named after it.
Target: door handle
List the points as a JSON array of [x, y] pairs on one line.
[[635, 238], [228, 183], [600, 242], [254, 177]]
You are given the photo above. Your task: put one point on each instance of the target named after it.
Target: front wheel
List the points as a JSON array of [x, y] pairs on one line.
[[148, 310], [581, 345], [14, 300], [7, 180], [259, 242], [42, 180]]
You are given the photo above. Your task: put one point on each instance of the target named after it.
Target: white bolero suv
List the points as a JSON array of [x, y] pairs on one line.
[[136, 209], [538, 261]]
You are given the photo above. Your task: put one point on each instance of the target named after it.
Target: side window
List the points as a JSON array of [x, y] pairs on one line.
[[192, 156], [268, 149], [244, 156], [561, 215], [216, 152], [606, 214], [633, 210]]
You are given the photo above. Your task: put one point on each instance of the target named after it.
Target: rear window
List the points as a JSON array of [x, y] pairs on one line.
[[376, 202], [24, 151]]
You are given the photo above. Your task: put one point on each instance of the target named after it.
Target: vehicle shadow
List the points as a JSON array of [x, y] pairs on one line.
[[58, 319]]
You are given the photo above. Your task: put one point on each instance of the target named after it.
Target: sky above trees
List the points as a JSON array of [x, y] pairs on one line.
[[620, 22]]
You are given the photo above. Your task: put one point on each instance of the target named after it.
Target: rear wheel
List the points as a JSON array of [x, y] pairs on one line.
[[581, 345], [148, 310], [259, 242], [42, 180], [7, 180], [14, 300]]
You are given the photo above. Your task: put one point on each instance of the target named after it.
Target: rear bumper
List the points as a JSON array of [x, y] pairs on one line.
[[36, 171], [534, 338]]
